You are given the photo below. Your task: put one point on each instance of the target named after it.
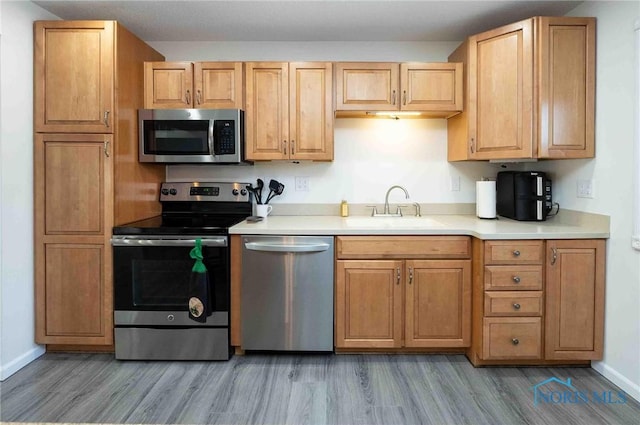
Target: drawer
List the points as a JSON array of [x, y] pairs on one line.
[[516, 338], [513, 278], [513, 303], [514, 252], [412, 247]]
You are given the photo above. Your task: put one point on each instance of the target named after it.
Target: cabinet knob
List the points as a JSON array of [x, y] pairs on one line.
[[404, 97], [171, 317], [516, 253], [284, 147], [188, 97], [393, 98], [515, 341], [199, 97], [516, 279], [516, 306]]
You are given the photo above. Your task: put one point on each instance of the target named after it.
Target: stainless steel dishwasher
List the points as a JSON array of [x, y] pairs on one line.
[[287, 293]]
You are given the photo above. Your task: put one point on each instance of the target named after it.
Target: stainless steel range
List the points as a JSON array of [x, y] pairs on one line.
[[152, 271]]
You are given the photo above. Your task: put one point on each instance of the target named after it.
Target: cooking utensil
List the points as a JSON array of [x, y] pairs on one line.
[[255, 193], [259, 187], [275, 188]]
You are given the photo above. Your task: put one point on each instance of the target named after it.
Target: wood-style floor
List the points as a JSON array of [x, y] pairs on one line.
[[300, 389]]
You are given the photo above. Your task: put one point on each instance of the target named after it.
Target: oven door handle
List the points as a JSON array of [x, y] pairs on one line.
[[134, 241]]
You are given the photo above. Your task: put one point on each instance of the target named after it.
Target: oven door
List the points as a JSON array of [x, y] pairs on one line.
[[152, 274]]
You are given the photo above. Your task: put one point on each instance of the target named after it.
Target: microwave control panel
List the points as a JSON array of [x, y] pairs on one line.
[[224, 137]]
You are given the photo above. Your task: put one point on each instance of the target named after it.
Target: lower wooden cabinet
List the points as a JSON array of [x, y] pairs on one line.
[[394, 303], [369, 305], [574, 319], [544, 305]]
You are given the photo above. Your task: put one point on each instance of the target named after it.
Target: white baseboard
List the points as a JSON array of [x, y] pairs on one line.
[[16, 364], [617, 378]]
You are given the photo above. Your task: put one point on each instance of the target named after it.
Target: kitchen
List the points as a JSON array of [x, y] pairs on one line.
[[359, 147]]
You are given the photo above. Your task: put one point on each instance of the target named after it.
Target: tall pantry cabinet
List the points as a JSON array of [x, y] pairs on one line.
[[88, 80]]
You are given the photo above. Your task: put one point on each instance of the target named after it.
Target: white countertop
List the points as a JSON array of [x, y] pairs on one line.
[[573, 225]]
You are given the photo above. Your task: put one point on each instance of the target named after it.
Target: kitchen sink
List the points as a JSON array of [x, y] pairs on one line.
[[391, 222]]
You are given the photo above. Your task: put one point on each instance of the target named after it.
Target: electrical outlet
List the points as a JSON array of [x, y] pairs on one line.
[[585, 189], [454, 184], [302, 184]]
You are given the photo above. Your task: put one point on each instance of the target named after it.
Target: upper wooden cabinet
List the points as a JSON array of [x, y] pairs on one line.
[[77, 76], [210, 85], [288, 111], [529, 92], [434, 89]]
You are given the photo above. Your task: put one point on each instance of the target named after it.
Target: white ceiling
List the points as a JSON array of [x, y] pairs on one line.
[[306, 20]]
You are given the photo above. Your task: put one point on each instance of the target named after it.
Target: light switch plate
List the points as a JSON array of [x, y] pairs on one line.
[[585, 189], [454, 184]]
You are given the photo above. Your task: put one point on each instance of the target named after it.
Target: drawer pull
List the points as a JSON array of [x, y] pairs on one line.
[[515, 341], [516, 279], [516, 306], [516, 253]]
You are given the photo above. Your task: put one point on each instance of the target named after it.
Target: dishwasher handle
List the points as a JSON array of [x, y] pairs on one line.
[[285, 247]]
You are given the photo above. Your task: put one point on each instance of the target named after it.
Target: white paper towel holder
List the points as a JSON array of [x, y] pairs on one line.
[[486, 199]]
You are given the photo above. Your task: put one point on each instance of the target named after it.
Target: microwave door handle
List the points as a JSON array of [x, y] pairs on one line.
[[212, 142]]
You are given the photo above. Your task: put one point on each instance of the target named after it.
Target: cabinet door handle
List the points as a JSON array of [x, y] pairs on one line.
[[199, 97], [410, 275], [188, 97], [106, 119], [515, 341], [554, 255], [293, 147], [284, 147], [393, 97], [471, 146], [404, 97], [516, 279], [106, 149], [397, 275], [516, 306], [516, 253]]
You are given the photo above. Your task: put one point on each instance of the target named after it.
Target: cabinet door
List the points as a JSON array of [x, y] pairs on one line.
[[438, 303], [431, 86], [368, 304], [501, 80], [367, 86], [73, 219], [72, 177], [566, 72], [168, 85], [73, 65], [574, 311], [266, 111], [75, 306], [218, 85], [311, 111]]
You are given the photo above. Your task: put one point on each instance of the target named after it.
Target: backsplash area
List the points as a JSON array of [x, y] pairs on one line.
[[370, 156]]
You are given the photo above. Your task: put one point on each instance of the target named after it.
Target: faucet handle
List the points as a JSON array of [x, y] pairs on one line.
[[374, 211], [399, 209]]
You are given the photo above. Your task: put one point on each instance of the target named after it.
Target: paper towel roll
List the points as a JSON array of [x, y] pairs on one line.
[[486, 199]]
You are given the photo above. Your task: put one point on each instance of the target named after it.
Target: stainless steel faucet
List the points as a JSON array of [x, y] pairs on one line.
[[386, 199]]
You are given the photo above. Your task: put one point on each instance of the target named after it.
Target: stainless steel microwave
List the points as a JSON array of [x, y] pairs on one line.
[[202, 136]]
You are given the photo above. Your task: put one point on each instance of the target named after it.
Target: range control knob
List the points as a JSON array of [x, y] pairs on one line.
[[165, 191], [235, 192], [173, 191], [243, 192]]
